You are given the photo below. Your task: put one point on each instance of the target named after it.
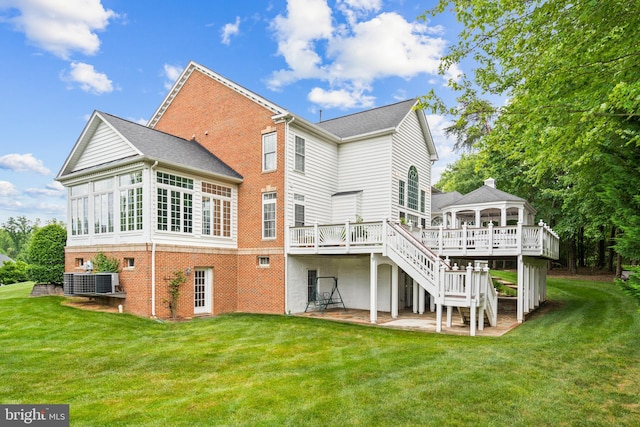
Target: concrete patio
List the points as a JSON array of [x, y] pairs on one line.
[[427, 322]]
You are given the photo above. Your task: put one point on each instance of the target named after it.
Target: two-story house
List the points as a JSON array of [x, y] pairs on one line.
[[263, 210]]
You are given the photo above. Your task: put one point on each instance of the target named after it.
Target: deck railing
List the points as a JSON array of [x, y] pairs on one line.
[[530, 240]]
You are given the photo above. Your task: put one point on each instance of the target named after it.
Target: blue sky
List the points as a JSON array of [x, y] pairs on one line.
[[62, 59]]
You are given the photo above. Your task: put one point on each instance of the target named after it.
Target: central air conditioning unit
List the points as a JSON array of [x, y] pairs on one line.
[[89, 283], [106, 283]]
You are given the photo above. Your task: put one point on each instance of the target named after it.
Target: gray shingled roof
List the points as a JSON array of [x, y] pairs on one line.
[[168, 148], [440, 200], [368, 121], [4, 258], [486, 194]]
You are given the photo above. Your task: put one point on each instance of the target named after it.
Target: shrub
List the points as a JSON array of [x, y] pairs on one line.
[[631, 286], [46, 254], [105, 264], [174, 291], [13, 272]]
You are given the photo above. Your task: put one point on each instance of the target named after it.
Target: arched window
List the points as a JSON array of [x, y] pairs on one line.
[[412, 190]]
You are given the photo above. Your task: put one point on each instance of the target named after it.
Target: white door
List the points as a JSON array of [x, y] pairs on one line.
[[202, 292]]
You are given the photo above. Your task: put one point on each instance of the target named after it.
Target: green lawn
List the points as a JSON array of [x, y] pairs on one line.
[[577, 365]]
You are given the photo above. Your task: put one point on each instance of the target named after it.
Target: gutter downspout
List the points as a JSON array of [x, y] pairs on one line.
[[286, 227], [153, 256]]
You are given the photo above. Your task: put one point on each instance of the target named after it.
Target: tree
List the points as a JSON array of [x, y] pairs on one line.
[[569, 132], [13, 272], [17, 232], [464, 175], [46, 254]]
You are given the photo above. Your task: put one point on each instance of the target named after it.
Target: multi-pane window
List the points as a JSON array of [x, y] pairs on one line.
[[422, 200], [299, 157], [412, 190], [401, 193], [298, 210], [103, 206], [312, 285], [80, 210], [216, 210], [130, 201], [269, 151], [269, 215], [174, 203]]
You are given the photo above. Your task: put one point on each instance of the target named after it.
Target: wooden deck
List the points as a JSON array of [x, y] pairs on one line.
[[371, 237]]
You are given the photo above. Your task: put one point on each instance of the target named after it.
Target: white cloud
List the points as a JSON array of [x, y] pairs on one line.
[[7, 189], [171, 74], [371, 45], [340, 98], [54, 189], [307, 22], [355, 9], [230, 30], [23, 163], [88, 78], [386, 45], [60, 26]]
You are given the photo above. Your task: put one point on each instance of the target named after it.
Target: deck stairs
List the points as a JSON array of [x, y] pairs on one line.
[[470, 289]]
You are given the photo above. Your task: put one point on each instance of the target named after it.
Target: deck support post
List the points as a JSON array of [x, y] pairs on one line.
[[416, 289], [421, 300], [473, 314], [373, 285], [520, 298], [394, 291]]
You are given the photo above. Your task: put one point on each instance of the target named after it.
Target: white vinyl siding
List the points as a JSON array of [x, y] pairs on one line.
[[105, 146], [365, 166], [319, 181], [410, 149]]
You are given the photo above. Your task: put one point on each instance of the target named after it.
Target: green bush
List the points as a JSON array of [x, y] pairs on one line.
[[105, 264], [631, 286], [13, 272], [46, 255]]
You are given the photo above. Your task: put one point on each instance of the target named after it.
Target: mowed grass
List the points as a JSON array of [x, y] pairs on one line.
[[579, 364]]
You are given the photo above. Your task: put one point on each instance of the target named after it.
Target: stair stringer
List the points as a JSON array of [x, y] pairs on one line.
[[428, 282]]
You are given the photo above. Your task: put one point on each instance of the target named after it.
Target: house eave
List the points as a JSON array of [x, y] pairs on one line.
[[144, 160], [305, 125]]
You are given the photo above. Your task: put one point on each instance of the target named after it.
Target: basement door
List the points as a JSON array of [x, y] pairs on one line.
[[202, 290]]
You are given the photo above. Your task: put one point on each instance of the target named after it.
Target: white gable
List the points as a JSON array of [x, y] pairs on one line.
[[104, 146]]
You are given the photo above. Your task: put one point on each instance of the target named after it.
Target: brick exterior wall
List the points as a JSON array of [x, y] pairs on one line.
[[136, 282], [231, 126]]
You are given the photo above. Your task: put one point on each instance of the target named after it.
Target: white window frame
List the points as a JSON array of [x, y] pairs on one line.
[[298, 206], [269, 200], [413, 189], [131, 214], [174, 203], [269, 151], [299, 157], [216, 210], [80, 210]]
